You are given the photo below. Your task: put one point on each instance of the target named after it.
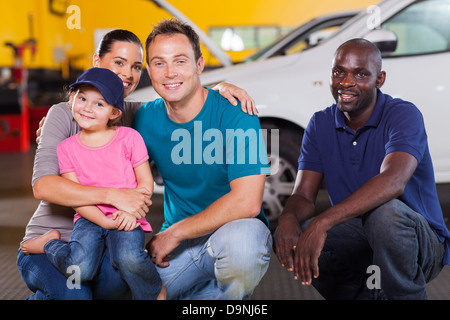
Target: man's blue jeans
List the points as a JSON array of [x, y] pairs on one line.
[[126, 251], [227, 264], [392, 237]]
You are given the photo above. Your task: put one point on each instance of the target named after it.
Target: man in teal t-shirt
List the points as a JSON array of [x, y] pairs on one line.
[[199, 157], [215, 243]]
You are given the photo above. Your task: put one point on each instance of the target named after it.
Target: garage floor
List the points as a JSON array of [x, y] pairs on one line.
[[17, 205]]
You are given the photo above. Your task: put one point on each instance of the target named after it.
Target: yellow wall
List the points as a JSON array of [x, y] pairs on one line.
[[53, 35], [241, 12], [14, 27]]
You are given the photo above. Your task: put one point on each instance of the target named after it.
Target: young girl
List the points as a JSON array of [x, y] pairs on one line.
[[103, 154]]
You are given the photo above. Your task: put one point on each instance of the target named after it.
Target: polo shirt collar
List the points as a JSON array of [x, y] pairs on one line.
[[374, 119]]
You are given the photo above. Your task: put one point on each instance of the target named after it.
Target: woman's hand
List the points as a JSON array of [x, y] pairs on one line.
[[133, 201], [39, 130], [231, 92]]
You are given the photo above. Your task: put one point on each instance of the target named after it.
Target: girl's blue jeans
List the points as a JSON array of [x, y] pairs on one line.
[[48, 283], [85, 251]]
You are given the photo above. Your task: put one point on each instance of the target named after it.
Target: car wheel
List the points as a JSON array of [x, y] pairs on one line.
[[280, 183]]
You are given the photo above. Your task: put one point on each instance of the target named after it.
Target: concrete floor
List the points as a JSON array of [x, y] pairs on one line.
[[17, 206]]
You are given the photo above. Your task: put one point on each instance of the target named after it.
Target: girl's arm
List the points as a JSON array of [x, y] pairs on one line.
[[144, 177], [91, 213], [55, 189]]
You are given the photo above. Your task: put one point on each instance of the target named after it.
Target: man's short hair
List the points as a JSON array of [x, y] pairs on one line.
[[174, 26]]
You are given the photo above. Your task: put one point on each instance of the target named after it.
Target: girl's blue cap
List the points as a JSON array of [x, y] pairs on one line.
[[106, 81]]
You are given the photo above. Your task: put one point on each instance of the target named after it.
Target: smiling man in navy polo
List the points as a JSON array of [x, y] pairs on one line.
[[384, 236]]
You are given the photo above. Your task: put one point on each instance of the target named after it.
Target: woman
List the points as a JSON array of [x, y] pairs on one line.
[[121, 52]]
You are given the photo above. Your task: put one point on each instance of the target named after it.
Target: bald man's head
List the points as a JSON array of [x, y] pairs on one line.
[[364, 47]]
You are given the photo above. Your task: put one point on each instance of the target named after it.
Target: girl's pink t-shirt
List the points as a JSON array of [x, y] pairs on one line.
[[111, 165]]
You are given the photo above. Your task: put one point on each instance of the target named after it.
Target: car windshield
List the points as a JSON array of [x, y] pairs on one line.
[[304, 37], [259, 53]]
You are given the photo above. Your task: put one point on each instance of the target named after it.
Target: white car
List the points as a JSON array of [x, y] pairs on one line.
[[414, 37], [305, 36]]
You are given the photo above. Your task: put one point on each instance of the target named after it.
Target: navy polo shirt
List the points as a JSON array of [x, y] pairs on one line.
[[348, 159]]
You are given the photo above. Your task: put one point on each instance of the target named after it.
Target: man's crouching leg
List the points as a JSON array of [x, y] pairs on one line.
[[405, 248], [242, 250]]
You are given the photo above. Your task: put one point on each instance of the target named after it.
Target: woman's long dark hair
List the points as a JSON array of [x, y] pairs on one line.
[[116, 35]]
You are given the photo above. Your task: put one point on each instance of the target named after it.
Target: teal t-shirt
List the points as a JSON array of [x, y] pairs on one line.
[[198, 159]]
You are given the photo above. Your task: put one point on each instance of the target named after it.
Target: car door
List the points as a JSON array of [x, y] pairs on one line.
[[419, 71]]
